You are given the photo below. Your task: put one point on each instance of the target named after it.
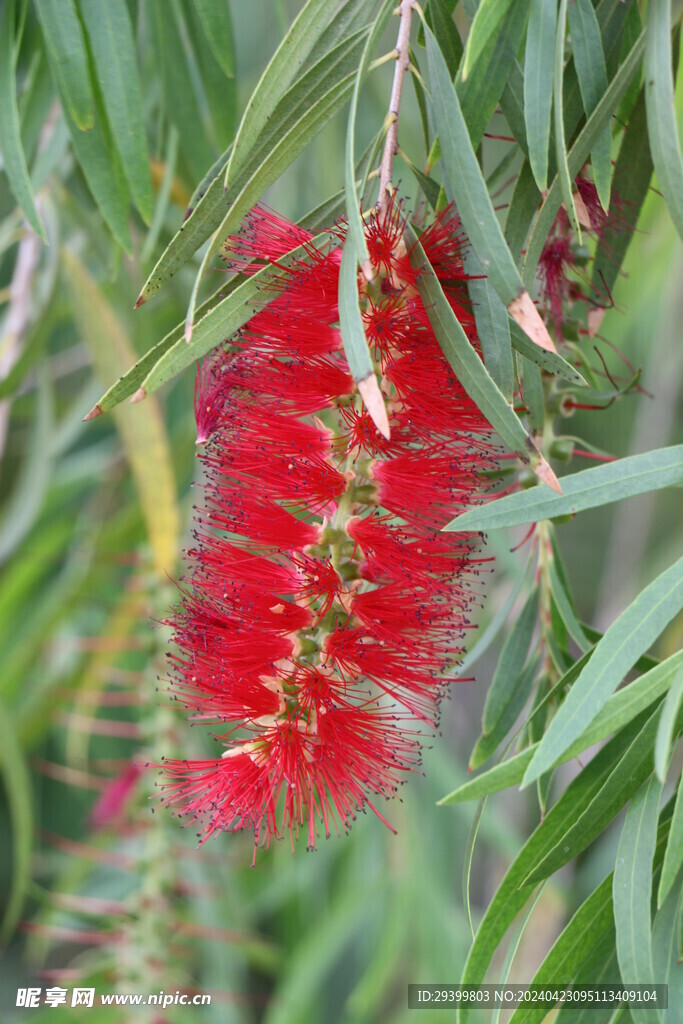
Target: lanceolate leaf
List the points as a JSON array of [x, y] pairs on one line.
[[631, 771], [511, 662], [673, 857], [620, 709], [467, 365], [12, 149], [538, 83], [285, 65], [590, 488], [589, 61], [512, 894], [356, 227], [566, 180], [493, 326], [627, 638], [486, 21], [225, 318], [466, 186], [290, 128], [440, 20], [632, 886], [579, 153], [111, 37], [215, 18], [355, 343], [666, 732], [661, 112], [65, 46]]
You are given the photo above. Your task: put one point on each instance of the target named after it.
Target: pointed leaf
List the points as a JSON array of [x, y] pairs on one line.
[[631, 889], [493, 326], [486, 20], [440, 20], [13, 157], [510, 663], [589, 61], [466, 186], [65, 47], [465, 362], [673, 856], [111, 38], [355, 343], [565, 178], [620, 709], [215, 18], [661, 112], [538, 85], [627, 638], [579, 153], [636, 474], [666, 733]]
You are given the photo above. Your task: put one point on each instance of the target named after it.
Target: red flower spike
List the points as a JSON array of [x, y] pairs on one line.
[[324, 612]]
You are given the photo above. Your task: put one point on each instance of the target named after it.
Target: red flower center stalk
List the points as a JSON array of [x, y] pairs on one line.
[[324, 613]]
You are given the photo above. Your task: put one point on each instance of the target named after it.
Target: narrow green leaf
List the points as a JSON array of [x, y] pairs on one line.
[[101, 166], [464, 182], [513, 946], [466, 186], [566, 609], [512, 702], [284, 66], [512, 894], [13, 156], [512, 105], [533, 396], [440, 20], [523, 206], [601, 485], [667, 728], [486, 21], [465, 362], [493, 326], [221, 93], [631, 771], [627, 638], [215, 18], [468, 858], [486, 638], [665, 966], [590, 928], [291, 126], [225, 318], [480, 93], [591, 70], [18, 791], [510, 663], [620, 709], [111, 38], [632, 887], [355, 343], [65, 47], [538, 86], [661, 112], [565, 178], [180, 97], [356, 227], [673, 856], [633, 172], [579, 153]]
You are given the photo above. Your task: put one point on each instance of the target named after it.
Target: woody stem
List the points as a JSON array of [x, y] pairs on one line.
[[391, 142]]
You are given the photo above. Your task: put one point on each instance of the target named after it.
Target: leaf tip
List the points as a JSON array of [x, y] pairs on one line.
[[545, 473], [523, 311], [139, 395], [96, 411], [141, 299], [374, 403]]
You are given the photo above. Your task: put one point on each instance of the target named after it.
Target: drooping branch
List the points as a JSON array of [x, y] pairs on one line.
[[391, 142]]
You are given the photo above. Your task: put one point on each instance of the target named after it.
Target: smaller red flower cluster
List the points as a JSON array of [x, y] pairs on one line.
[[324, 612], [561, 261]]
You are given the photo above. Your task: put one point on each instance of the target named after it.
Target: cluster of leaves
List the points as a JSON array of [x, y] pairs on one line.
[[577, 83]]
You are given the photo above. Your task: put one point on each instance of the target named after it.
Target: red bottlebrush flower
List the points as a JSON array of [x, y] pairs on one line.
[[323, 612]]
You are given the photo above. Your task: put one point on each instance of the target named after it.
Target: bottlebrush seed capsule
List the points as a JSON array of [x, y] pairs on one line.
[[323, 612]]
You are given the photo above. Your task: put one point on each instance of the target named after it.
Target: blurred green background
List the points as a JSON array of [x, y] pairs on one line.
[[92, 516]]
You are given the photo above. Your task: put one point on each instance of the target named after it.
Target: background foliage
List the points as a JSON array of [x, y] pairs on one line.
[[110, 116]]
